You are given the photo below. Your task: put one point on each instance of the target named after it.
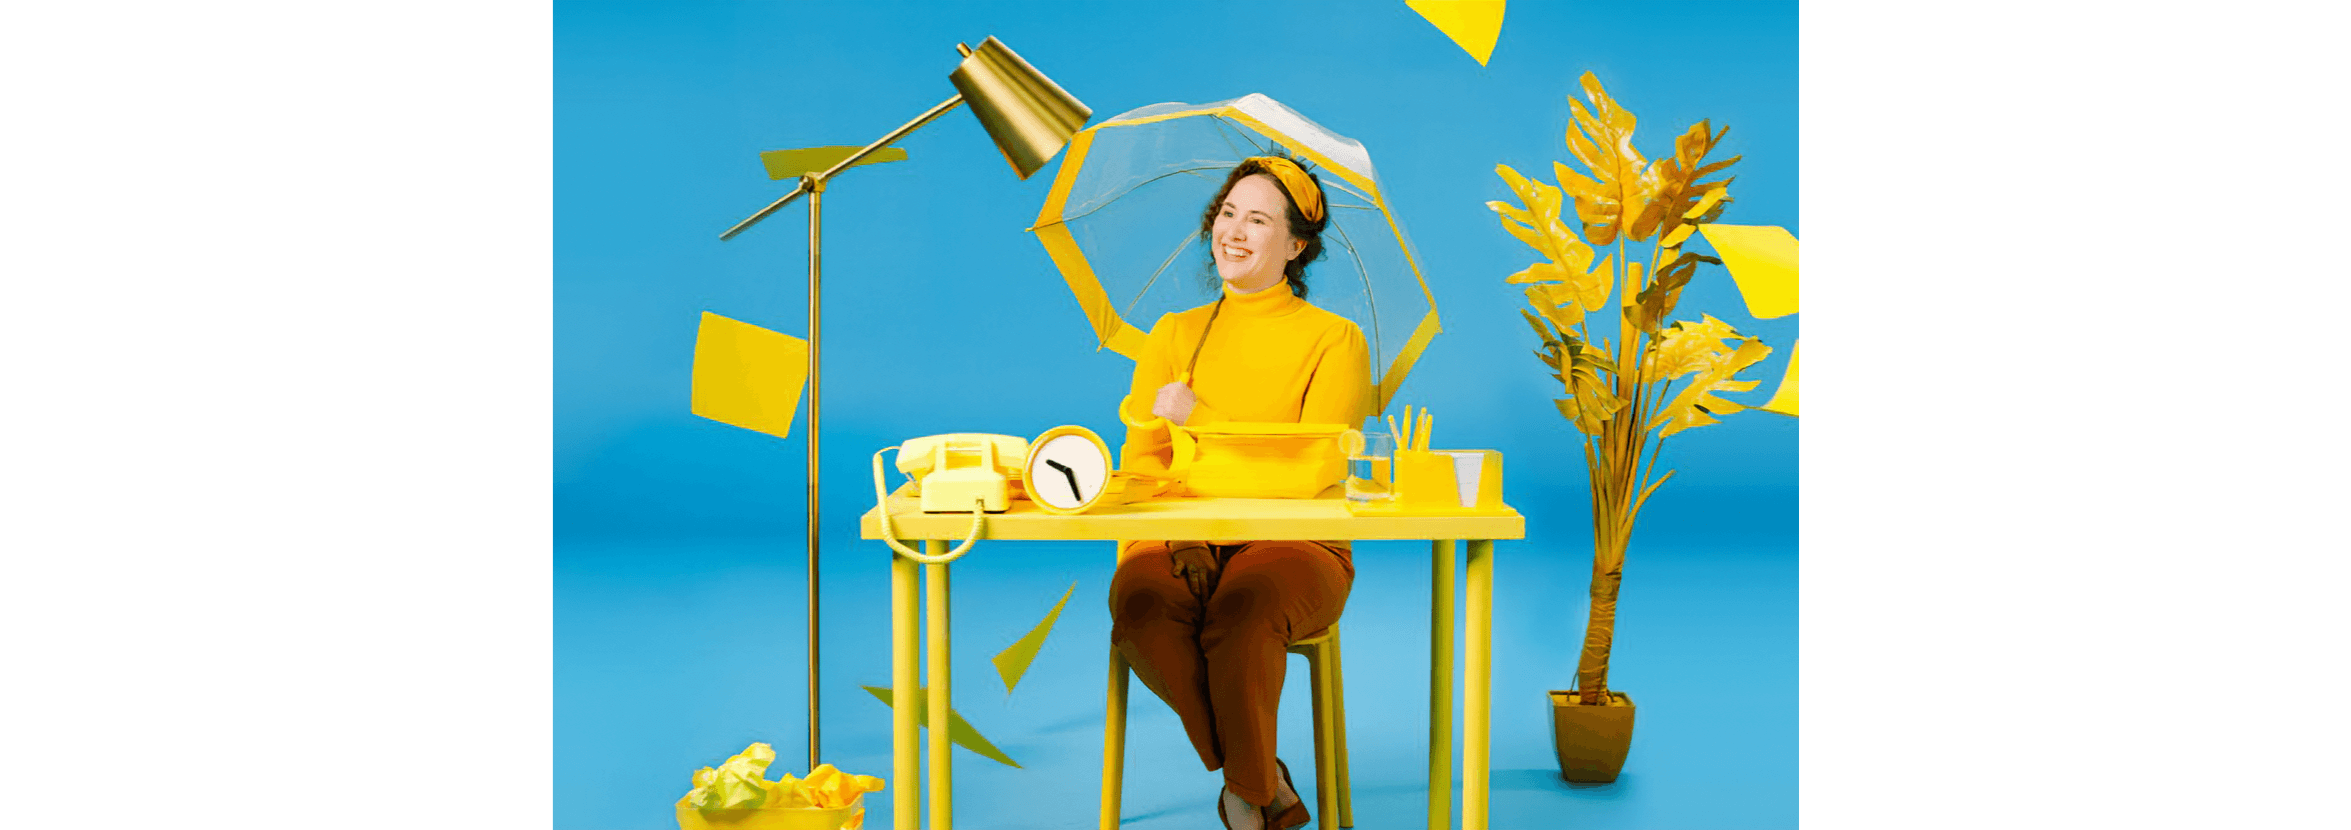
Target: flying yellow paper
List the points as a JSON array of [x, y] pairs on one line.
[[1475, 25], [1014, 661], [785, 164], [748, 376], [959, 731], [1784, 401], [1762, 261]]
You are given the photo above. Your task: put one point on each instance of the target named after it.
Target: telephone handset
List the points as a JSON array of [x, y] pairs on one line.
[[953, 470]]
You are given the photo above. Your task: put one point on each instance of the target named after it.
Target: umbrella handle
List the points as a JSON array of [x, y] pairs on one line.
[[1179, 439], [1126, 404]]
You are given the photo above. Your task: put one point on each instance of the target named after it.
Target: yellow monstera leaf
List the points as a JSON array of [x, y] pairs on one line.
[[1684, 202], [1590, 401], [1695, 405], [1540, 223], [1622, 185], [1686, 347]]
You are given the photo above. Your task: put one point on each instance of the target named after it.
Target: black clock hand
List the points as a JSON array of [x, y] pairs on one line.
[[1073, 479]]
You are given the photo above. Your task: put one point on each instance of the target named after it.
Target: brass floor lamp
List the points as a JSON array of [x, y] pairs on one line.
[[1028, 116]]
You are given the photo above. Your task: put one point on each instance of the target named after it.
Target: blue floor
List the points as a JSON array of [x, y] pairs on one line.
[[670, 656]]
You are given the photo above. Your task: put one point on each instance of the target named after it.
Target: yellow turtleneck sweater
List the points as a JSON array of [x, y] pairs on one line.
[[1269, 357]]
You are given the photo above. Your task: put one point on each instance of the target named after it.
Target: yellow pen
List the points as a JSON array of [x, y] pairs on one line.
[[1420, 432], [1392, 433]]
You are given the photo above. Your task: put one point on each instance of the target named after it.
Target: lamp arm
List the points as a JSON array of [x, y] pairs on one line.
[[894, 135], [763, 212], [811, 182]]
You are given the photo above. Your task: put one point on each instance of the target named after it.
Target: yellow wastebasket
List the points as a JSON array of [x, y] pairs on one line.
[[773, 818]]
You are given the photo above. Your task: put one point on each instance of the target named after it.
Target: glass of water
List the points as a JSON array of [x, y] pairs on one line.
[[1370, 469]]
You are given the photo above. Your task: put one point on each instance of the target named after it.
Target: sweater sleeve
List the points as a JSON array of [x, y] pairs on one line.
[[1340, 391], [1147, 449]]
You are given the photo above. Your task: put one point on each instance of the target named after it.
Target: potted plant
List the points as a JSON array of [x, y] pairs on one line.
[[1628, 394]]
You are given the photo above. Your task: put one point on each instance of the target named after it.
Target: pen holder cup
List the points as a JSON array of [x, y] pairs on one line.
[[1448, 479]]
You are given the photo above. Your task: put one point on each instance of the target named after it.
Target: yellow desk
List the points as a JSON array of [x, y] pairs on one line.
[[1324, 518]]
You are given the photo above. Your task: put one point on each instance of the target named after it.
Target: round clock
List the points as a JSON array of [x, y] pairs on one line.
[[1067, 471]]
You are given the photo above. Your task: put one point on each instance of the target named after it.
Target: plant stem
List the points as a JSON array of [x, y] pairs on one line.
[[1649, 470], [1627, 336]]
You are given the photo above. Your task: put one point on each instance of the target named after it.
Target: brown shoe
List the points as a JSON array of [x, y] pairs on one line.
[[1223, 816], [1292, 816], [1269, 817]]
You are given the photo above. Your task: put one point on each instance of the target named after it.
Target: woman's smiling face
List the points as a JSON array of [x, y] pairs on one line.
[[1250, 239]]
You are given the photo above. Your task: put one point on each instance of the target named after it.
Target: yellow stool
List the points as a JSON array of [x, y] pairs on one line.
[[1330, 730]]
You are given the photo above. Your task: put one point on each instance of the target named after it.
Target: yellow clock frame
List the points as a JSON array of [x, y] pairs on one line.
[[1028, 468]]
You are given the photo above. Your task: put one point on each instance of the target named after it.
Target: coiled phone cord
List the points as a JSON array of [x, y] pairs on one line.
[[881, 500]]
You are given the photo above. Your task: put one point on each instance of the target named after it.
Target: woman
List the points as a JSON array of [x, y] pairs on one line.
[[1205, 623]]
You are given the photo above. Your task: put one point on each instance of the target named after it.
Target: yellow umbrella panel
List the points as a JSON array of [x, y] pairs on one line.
[[1123, 218]]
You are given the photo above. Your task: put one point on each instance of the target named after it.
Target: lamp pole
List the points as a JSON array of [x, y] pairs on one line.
[[1029, 118], [812, 185], [815, 187]]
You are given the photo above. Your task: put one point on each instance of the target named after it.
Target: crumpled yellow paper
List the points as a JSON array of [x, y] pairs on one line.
[[741, 783]]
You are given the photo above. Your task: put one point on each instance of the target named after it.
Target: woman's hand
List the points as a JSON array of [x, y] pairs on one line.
[[1195, 564], [1174, 402]]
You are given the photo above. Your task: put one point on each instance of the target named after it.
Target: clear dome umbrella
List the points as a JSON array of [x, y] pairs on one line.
[[1122, 224]]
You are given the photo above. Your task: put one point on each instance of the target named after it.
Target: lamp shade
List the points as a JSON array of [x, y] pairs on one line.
[[1029, 117]]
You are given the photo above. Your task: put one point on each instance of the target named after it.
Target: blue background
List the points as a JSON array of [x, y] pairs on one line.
[[678, 572]]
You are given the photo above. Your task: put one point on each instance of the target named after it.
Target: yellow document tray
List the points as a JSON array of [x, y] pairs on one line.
[[1259, 460]]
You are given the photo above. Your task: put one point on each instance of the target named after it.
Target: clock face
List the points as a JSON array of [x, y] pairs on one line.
[[1067, 471]]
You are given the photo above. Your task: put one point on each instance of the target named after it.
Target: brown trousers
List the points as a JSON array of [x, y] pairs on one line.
[[1218, 660]]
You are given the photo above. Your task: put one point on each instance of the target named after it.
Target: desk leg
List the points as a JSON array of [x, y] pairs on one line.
[[905, 746], [1477, 709], [1114, 741], [1441, 685], [942, 783]]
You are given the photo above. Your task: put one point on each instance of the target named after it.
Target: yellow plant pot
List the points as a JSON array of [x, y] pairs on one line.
[[1591, 740], [772, 818]]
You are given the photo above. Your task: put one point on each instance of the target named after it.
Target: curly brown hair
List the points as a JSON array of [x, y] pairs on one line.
[[1294, 271]]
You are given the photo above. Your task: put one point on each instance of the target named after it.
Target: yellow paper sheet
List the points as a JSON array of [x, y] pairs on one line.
[[1762, 261], [748, 376], [1784, 400], [1014, 661], [787, 164], [959, 731], [1474, 25]]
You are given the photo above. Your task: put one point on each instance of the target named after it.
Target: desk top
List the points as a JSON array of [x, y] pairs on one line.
[[1191, 518]]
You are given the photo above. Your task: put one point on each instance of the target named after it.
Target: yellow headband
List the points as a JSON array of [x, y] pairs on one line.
[[1301, 187]]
